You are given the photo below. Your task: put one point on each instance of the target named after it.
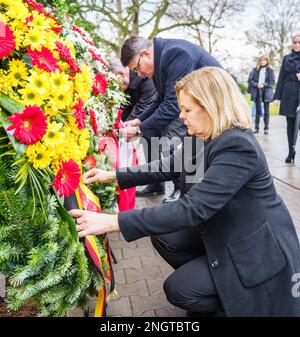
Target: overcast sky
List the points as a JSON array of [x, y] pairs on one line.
[[233, 41]]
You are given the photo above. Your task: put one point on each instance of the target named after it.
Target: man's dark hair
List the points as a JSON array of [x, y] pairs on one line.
[[132, 48]]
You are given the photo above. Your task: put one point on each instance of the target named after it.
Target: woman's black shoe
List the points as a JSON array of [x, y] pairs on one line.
[[291, 157]]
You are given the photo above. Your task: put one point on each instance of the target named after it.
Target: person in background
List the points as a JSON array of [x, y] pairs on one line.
[[166, 61], [142, 96], [261, 80], [287, 92], [141, 92]]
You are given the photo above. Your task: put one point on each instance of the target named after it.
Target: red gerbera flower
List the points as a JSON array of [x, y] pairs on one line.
[[90, 162], [67, 178], [76, 29], [63, 50], [36, 6], [58, 28], [120, 112], [88, 41], [79, 113], [100, 84], [65, 54], [102, 144], [44, 60], [96, 56], [30, 125], [28, 20], [74, 68], [94, 122], [7, 40]]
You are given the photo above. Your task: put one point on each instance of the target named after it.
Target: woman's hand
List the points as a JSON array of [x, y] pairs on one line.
[[276, 102], [298, 76], [97, 175], [260, 85], [92, 223]]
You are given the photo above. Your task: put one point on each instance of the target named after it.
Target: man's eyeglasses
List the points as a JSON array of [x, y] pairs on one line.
[[137, 67]]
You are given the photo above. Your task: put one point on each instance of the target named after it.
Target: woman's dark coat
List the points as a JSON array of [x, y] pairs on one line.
[[288, 86], [267, 91], [251, 244]]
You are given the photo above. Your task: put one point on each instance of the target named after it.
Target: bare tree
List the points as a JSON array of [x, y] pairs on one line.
[[279, 20], [112, 21], [212, 16]]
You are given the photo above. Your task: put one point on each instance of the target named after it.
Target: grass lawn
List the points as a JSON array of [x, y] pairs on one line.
[[274, 110]]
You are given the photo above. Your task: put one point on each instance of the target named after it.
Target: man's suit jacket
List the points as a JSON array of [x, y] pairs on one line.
[[173, 59], [250, 240]]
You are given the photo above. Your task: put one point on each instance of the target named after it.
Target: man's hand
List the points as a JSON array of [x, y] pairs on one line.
[[134, 122], [129, 132], [260, 85], [276, 102], [97, 175], [298, 76]]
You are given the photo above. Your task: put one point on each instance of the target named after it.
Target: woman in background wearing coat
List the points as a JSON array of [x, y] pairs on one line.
[[261, 80], [230, 237], [287, 91]]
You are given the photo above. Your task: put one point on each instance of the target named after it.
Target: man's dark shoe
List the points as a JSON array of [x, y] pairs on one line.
[[173, 197], [256, 131], [266, 132], [150, 190]]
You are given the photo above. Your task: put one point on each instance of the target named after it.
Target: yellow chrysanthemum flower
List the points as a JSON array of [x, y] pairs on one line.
[[53, 137], [17, 72], [39, 21], [19, 34], [63, 65], [70, 150], [51, 110], [61, 100], [60, 82], [35, 38], [17, 10], [39, 155], [30, 96], [50, 39], [84, 143], [40, 83]]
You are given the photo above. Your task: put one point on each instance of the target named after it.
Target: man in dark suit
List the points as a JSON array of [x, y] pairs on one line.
[[166, 61], [141, 92], [142, 96]]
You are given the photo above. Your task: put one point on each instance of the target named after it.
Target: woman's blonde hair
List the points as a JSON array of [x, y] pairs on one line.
[[216, 91], [295, 36], [261, 58]]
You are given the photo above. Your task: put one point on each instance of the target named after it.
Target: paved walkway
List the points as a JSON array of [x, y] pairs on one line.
[[140, 272]]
